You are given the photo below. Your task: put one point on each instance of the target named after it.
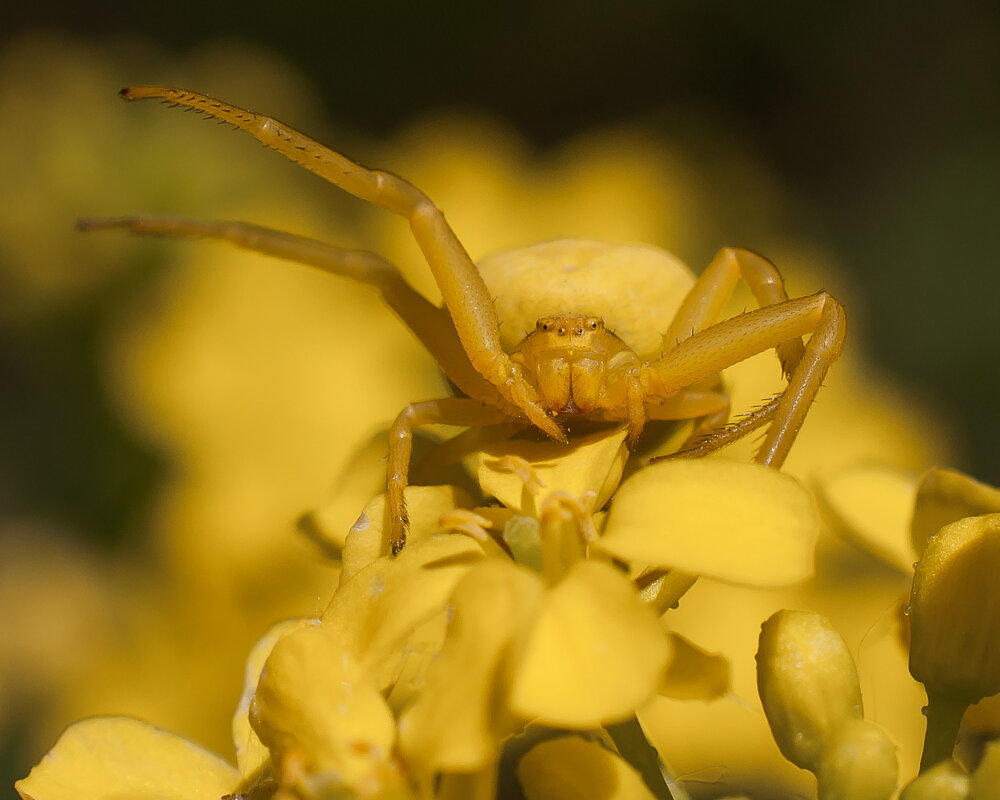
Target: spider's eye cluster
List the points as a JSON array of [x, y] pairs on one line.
[[576, 325]]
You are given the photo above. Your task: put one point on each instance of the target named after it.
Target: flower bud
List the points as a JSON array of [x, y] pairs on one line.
[[807, 682], [985, 783], [955, 610], [858, 763], [944, 781]]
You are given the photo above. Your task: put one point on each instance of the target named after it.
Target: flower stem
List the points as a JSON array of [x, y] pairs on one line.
[[633, 746], [944, 712]]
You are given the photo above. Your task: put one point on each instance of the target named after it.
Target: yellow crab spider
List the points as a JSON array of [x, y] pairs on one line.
[[570, 365]]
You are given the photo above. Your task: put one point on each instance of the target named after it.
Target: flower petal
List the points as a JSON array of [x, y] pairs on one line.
[[374, 613], [694, 674], [314, 704], [252, 756], [103, 758], [595, 652], [872, 505], [454, 725], [733, 521], [593, 464], [572, 768], [367, 538], [945, 496]]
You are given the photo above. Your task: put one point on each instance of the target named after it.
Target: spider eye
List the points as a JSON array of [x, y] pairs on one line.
[[593, 324], [544, 326]]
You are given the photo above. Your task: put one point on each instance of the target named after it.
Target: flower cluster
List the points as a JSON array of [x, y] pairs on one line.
[[561, 623], [524, 628]]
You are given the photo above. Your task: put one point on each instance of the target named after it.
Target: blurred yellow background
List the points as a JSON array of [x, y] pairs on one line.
[[169, 409]]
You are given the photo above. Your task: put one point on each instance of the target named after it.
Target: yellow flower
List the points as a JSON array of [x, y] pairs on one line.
[[545, 629]]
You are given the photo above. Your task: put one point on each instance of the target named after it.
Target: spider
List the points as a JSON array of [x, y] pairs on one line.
[[571, 365]]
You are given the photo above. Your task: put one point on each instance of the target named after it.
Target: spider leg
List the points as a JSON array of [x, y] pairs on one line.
[[726, 343], [714, 433], [706, 300], [464, 292], [447, 411], [693, 403], [430, 324]]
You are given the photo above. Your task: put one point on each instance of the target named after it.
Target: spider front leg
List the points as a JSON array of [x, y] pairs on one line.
[[464, 292], [702, 307], [448, 411], [430, 324], [727, 343], [706, 300]]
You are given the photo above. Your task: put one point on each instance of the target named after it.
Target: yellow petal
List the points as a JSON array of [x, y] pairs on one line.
[[314, 704], [454, 724], [955, 610], [252, 756], [367, 538], [594, 654], [808, 684], [374, 613], [572, 768], [872, 505], [592, 464], [945, 496], [119, 757], [737, 522], [694, 674]]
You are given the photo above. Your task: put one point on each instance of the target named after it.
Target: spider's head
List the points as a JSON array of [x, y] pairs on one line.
[[566, 356]]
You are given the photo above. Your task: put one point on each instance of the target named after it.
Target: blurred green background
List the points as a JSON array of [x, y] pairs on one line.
[[877, 126]]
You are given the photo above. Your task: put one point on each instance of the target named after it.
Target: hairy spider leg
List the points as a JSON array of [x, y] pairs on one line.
[[431, 325], [733, 340], [447, 411], [707, 299], [702, 307], [464, 292]]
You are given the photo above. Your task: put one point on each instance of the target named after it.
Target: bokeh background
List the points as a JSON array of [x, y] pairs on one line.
[[861, 137]]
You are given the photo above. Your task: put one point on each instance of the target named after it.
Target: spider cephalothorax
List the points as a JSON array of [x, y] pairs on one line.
[[571, 364], [576, 364]]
